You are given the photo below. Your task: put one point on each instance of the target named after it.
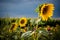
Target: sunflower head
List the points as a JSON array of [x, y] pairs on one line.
[[46, 11], [23, 22], [13, 27]]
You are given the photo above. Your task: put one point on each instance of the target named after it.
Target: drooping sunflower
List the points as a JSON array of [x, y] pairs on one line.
[[13, 27], [45, 11], [23, 22]]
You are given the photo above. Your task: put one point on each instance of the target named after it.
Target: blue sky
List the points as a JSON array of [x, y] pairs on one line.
[[25, 8]]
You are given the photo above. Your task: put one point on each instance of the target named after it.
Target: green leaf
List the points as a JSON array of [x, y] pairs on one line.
[[41, 23], [38, 7], [26, 34]]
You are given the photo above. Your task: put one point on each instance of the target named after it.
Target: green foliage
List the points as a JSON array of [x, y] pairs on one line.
[[32, 33]]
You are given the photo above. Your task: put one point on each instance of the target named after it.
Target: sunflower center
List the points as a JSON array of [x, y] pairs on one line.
[[45, 10], [22, 21]]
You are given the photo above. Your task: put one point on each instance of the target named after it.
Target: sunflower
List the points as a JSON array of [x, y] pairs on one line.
[[13, 27], [23, 22], [45, 11], [48, 28]]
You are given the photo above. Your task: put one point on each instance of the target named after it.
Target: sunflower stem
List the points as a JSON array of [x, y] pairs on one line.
[[38, 15]]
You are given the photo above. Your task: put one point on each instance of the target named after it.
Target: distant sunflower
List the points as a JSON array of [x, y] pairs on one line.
[[48, 28], [46, 11], [23, 22], [13, 27]]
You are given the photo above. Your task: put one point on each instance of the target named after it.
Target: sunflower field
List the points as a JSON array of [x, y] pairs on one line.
[[44, 27]]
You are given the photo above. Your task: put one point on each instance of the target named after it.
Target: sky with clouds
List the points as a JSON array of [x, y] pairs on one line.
[[25, 8]]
